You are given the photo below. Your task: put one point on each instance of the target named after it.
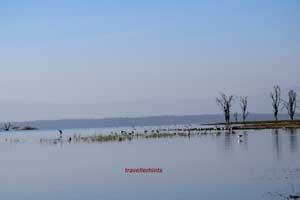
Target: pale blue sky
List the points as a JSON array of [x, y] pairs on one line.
[[94, 52]]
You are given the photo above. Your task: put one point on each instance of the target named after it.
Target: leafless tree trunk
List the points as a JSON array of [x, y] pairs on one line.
[[291, 104], [7, 126], [225, 104], [236, 117], [276, 100], [244, 107]]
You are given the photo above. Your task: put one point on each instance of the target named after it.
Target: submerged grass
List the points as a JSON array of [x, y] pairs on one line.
[[127, 137], [178, 132]]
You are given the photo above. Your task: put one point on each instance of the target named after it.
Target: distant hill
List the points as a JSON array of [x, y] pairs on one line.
[[137, 121]]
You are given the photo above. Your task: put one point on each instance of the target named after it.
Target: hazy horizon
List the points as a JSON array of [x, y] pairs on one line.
[[100, 59], [17, 111]]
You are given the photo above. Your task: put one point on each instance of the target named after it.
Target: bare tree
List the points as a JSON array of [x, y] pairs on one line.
[[225, 104], [244, 107], [7, 126], [276, 100], [291, 104]]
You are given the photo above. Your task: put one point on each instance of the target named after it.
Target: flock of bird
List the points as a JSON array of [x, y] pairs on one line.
[[123, 135]]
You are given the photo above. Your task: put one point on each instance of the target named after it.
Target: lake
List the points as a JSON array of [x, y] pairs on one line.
[[264, 164]]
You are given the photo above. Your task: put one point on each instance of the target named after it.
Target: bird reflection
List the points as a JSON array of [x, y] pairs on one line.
[[245, 140]]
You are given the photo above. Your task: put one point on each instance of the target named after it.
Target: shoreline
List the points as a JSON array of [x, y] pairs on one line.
[[179, 132], [254, 125]]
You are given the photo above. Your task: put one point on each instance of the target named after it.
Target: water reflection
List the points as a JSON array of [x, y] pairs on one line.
[[227, 142], [97, 166], [276, 142], [245, 140], [293, 143]]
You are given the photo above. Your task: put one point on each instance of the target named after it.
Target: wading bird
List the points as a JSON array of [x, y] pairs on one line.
[[60, 134]]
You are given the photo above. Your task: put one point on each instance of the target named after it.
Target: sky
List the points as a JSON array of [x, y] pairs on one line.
[[94, 59]]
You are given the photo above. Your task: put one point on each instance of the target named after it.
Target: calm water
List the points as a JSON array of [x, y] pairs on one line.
[[262, 166]]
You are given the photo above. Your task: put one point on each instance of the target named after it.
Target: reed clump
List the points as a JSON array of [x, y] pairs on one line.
[[128, 137]]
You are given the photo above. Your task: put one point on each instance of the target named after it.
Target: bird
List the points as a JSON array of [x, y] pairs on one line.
[[60, 133], [240, 136]]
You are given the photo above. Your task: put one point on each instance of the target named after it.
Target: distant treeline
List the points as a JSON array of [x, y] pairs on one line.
[[138, 121]]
